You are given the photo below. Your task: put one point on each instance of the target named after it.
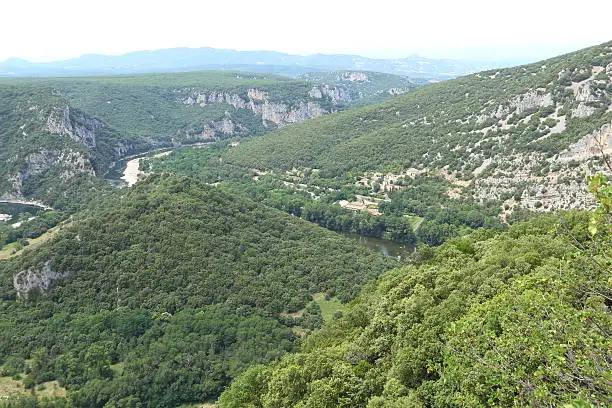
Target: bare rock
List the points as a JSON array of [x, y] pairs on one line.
[[582, 111], [531, 99], [40, 279], [74, 125]]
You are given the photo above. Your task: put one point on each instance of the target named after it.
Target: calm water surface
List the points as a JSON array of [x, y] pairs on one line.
[[384, 246]]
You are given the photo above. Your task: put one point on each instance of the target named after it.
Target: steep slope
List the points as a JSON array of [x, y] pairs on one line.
[[528, 132], [37, 137], [179, 285], [53, 129], [521, 318]]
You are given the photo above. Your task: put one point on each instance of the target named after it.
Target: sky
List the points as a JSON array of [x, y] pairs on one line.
[[47, 30]]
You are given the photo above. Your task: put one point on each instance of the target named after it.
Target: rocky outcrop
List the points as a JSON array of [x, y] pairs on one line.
[[582, 111], [224, 127], [256, 95], [354, 77], [68, 162], [397, 91], [335, 94], [584, 93], [594, 144], [203, 99], [81, 129], [123, 148], [531, 99], [560, 187], [271, 112], [280, 114], [39, 279]]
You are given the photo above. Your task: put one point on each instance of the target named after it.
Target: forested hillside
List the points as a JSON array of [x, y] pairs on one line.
[[520, 318], [523, 135], [208, 280], [421, 211], [166, 291], [54, 129]]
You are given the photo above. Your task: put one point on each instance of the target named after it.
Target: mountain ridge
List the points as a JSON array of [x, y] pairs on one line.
[[81, 125], [176, 59], [523, 132]]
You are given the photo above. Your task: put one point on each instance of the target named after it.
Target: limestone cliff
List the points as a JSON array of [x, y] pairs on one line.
[[66, 159], [76, 126], [318, 101], [39, 279], [67, 162]]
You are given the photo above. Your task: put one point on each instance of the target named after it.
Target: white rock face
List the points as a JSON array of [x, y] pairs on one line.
[[256, 95], [594, 144], [41, 279], [277, 113], [280, 114], [75, 126], [69, 162], [584, 93], [397, 91], [531, 99], [354, 77], [335, 94], [315, 93], [582, 111], [225, 126]]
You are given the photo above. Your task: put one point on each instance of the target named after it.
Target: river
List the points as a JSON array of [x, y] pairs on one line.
[[131, 172], [24, 203], [384, 246], [10, 209]]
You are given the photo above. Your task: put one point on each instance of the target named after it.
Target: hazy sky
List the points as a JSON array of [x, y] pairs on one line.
[[43, 30]]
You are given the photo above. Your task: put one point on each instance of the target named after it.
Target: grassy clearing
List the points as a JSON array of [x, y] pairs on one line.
[[295, 315], [9, 386], [415, 221], [9, 250], [50, 389], [328, 307], [14, 248], [298, 331], [117, 368]]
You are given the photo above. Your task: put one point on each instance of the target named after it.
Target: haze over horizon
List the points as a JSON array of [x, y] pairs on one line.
[[41, 31]]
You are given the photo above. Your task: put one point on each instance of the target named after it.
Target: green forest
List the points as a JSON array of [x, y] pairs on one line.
[[229, 275], [174, 279], [518, 318], [423, 198]]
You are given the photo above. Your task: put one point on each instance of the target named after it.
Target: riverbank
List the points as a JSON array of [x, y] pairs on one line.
[[38, 204], [132, 171]]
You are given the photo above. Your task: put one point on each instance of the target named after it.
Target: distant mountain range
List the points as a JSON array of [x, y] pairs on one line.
[[192, 59]]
